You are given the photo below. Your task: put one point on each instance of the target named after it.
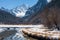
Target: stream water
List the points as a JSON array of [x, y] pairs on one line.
[[17, 36]]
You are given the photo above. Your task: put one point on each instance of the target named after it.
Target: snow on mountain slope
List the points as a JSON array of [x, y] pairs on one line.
[[20, 11], [49, 1]]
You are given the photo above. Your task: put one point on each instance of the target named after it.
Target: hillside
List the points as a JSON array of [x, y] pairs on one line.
[[50, 16], [7, 18]]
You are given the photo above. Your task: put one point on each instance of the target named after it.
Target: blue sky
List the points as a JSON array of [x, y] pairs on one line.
[[9, 4]]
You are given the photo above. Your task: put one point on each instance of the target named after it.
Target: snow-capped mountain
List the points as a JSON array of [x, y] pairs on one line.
[[20, 11]]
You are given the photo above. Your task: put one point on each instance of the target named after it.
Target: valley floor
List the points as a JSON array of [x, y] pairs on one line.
[[30, 26]]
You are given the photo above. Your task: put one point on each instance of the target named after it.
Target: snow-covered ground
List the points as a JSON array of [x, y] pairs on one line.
[[19, 34], [21, 26]]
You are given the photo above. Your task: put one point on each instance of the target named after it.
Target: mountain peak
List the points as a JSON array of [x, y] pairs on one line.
[[20, 10]]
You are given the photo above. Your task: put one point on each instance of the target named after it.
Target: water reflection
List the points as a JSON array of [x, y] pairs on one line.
[[17, 36]]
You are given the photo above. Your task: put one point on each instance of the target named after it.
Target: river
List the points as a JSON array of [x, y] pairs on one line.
[[17, 36]]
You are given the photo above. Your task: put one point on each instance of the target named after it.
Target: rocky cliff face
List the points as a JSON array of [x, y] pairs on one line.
[[33, 11], [54, 14], [50, 16]]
